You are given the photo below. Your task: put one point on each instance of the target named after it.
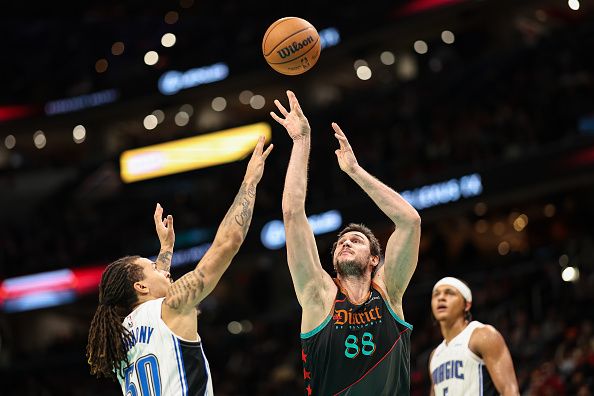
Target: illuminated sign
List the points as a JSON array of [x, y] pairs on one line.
[[444, 192], [173, 81], [191, 153], [8, 113], [76, 103], [47, 289], [273, 232]]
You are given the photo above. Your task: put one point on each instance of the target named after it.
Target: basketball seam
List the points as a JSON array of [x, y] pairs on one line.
[[271, 28], [288, 37], [280, 63]]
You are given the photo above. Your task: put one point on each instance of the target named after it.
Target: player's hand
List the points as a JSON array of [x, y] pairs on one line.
[[345, 155], [255, 168], [164, 228], [295, 121]]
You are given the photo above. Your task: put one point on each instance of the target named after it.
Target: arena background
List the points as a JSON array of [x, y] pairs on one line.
[[482, 111]]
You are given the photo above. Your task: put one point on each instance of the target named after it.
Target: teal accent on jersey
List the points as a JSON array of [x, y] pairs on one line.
[[317, 329], [360, 350], [398, 319]]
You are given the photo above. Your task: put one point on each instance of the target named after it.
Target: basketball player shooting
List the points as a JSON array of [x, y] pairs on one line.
[[473, 358], [145, 330], [353, 334]]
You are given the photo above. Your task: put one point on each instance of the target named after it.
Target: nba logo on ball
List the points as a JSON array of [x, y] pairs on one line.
[[291, 46]]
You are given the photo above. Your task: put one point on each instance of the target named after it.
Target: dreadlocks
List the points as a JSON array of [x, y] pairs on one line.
[[106, 350]]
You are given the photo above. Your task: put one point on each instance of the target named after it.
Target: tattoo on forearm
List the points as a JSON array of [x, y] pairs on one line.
[[185, 290], [244, 199], [164, 260]]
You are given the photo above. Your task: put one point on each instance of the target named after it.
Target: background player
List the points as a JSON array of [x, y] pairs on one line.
[[473, 358]]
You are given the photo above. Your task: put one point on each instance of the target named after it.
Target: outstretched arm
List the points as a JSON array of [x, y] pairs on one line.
[[402, 248], [310, 280], [185, 293], [166, 235]]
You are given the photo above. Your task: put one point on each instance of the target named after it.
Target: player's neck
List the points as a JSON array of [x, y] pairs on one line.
[[450, 329], [357, 287]]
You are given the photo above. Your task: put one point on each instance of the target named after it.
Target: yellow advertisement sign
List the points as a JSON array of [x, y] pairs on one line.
[[191, 153]]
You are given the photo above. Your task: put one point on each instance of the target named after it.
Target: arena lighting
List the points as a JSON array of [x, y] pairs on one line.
[[448, 191], [415, 6], [8, 113], [273, 232], [329, 37], [48, 289], [76, 103], [173, 81], [191, 153]]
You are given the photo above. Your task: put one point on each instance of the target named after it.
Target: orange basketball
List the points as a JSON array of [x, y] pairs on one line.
[[291, 46]]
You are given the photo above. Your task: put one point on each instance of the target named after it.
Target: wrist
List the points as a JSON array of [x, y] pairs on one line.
[[302, 138], [354, 171]]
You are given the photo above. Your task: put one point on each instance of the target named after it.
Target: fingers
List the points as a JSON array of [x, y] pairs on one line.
[[276, 118], [268, 150], [340, 136], [259, 145], [293, 102], [170, 222], [337, 129], [158, 213], [281, 108]]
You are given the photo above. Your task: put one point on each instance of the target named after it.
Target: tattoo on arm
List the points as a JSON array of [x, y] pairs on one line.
[[185, 290], [244, 200], [164, 260]]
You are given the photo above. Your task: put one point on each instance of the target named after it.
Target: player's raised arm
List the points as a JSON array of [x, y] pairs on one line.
[[403, 246], [190, 289], [166, 235], [309, 278]]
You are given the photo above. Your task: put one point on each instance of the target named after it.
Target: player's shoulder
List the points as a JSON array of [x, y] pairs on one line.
[[485, 336], [485, 331], [149, 307]]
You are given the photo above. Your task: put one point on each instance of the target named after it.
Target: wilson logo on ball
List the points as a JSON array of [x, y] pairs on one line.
[[294, 47], [291, 46]]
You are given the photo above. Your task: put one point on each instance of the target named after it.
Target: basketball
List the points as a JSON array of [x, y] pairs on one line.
[[291, 46]]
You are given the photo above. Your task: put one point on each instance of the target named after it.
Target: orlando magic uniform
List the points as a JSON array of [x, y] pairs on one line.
[[162, 363], [456, 370], [358, 350]]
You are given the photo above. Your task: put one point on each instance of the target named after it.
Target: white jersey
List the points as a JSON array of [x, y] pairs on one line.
[[457, 371], [161, 363]]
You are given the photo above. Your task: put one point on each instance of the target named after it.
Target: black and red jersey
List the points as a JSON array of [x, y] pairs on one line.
[[358, 350]]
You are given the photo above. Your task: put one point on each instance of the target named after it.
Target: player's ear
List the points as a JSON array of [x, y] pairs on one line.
[[141, 288], [375, 260], [468, 306]]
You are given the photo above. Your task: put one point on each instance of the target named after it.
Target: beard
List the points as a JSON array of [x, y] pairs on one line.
[[350, 268]]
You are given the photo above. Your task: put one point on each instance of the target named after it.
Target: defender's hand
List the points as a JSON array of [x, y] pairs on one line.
[[164, 228], [255, 168]]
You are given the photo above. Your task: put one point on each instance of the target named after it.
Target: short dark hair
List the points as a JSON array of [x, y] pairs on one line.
[[374, 245]]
